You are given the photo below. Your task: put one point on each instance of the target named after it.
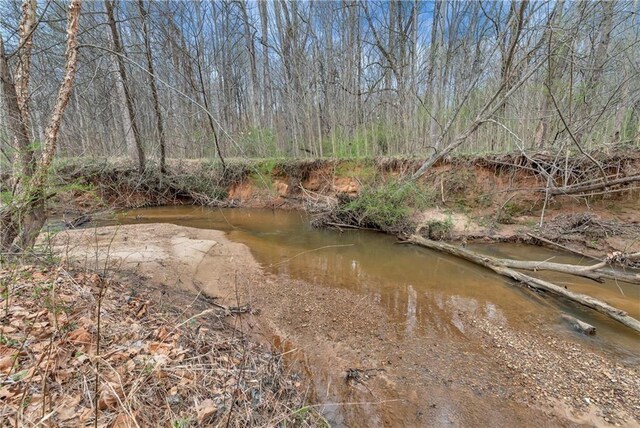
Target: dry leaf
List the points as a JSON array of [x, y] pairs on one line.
[[162, 333], [6, 363], [107, 400], [206, 410], [67, 410], [80, 337], [6, 392], [123, 420], [159, 348]]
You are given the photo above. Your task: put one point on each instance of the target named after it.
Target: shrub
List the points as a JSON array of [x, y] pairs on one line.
[[440, 229], [386, 207]]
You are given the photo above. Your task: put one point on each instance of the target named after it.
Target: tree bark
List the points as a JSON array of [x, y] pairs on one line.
[[538, 284], [251, 51], [267, 99], [122, 71], [15, 118], [23, 75], [153, 86]]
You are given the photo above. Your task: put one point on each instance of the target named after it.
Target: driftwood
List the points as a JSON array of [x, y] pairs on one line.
[[590, 186], [563, 247], [77, 221], [579, 326], [499, 267], [597, 272]]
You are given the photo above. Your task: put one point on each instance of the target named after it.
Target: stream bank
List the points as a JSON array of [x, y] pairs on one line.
[[404, 355], [495, 198]]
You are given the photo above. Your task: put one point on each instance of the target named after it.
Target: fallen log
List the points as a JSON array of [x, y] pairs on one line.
[[579, 326], [594, 272], [590, 186], [494, 264], [602, 272]]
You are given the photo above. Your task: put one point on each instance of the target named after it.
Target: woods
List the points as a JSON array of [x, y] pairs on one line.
[[201, 149], [334, 79]]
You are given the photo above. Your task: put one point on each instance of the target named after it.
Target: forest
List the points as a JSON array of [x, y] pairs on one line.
[[319, 213], [332, 79]]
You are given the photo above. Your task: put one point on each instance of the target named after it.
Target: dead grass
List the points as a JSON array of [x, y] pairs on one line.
[[150, 362]]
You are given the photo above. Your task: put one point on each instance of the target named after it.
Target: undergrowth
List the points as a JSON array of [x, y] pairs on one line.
[[386, 207]]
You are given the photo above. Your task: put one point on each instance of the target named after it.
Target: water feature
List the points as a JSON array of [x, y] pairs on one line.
[[420, 289]]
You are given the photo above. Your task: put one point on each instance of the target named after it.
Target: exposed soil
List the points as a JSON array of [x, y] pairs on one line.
[[494, 375], [499, 198]]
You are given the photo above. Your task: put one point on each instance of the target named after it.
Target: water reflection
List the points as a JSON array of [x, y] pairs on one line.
[[421, 290]]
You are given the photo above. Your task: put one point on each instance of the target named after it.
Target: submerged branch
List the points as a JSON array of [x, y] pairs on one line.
[[501, 266]]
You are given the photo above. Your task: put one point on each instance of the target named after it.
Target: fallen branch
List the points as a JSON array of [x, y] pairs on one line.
[[495, 265], [579, 188], [579, 326], [602, 272], [555, 244]]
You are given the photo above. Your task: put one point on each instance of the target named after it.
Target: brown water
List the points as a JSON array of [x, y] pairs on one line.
[[421, 290]]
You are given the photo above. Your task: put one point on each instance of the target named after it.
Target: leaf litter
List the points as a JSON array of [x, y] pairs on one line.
[[153, 368]]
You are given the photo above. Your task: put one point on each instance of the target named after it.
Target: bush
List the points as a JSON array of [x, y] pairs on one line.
[[386, 207], [440, 230]]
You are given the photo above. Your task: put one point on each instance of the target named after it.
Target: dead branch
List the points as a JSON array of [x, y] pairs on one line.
[[563, 247], [579, 188], [579, 325], [535, 283]]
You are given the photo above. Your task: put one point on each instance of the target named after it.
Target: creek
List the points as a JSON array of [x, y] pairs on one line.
[[413, 284], [443, 367]]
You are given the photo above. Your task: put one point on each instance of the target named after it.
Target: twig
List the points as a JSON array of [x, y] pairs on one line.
[[310, 251], [97, 364]]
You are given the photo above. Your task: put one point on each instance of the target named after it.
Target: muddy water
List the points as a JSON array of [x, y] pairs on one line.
[[440, 367], [421, 290]]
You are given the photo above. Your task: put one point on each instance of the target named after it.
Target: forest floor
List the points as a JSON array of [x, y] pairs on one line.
[[150, 357], [79, 344], [494, 376]]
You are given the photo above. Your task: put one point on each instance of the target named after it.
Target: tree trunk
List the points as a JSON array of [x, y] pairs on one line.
[[117, 47], [267, 99], [251, 51], [23, 74], [153, 86], [14, 115]]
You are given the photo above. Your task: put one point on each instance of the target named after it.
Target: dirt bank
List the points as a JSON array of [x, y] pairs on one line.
[[366, 365], [499, 198]]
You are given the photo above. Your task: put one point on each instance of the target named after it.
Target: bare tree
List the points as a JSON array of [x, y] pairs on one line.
[[338, 78], [153, 86], [129, 115], [24, 216]]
